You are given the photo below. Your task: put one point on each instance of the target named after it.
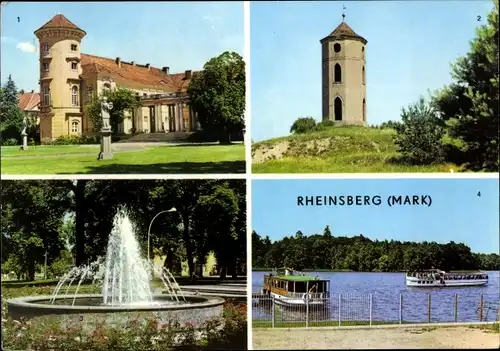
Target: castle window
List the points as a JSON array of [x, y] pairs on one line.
[[107, 86], [90, 91], [363, 52], [74, 96], [336, 47], [45, 67], [338, 109], [45, 47], [46, 96], [337, 74], [75, 127], [363, 75], [74, 66], [73, 47]]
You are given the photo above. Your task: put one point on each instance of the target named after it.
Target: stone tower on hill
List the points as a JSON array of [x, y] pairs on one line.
[[344, 76]]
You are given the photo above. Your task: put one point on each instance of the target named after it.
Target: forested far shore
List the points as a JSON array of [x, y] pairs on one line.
[[325, 252]]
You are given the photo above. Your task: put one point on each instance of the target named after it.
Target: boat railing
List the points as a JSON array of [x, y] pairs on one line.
[[312, 296]]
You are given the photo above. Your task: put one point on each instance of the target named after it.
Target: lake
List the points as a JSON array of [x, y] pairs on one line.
[[386, 289]]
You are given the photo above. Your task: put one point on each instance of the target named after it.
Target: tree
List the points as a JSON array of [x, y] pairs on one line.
[[123, 100], [389, 125], [327, 232], [419, 134], [217, 94], [469, 105], [303, 125], [11, 117], [35, 211]]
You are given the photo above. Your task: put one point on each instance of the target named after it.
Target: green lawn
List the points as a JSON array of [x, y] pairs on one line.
[[10, 151], [161, 159], [347, 149]]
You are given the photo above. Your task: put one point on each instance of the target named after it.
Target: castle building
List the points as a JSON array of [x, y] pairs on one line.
[[344, 76], [69, 78]]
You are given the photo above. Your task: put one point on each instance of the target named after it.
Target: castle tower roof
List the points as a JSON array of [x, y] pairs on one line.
[[59, 22], [343, 32]]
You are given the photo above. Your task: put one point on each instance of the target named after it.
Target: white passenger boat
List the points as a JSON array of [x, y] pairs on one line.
[[438, 278], [292, 288]]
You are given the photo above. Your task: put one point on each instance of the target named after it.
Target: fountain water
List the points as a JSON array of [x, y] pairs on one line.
[[124, 277], [124, 274]]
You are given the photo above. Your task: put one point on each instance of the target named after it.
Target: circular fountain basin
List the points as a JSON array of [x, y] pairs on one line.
[[236, 293], [88, 308]]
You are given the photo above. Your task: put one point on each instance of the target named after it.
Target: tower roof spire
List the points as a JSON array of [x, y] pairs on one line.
[[343, 12]]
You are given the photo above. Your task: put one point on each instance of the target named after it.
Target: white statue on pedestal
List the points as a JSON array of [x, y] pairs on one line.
[[106, 106], [25, 125]]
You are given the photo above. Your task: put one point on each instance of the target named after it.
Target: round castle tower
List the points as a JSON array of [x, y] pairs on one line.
[[344, 76], [60, 97]]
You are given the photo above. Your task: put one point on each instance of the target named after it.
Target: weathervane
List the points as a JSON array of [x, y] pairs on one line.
[[343, 12]]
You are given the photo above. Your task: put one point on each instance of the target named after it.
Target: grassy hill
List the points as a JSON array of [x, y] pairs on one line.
[[345, 149]]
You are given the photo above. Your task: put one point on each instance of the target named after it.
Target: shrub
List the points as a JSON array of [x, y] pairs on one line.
[[325, 124], [61, 265], [10, 142], [303, 125], [74, 140], [419, 134]]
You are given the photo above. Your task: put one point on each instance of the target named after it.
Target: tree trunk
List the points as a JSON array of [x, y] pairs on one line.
[[31, 271], [187, 242], [80, 222], [225, 138], [223, 271]]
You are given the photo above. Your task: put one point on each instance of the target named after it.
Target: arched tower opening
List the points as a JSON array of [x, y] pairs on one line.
[[337, 73], [338, 109], [364, 110]]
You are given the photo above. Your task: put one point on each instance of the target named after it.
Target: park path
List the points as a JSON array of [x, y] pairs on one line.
[[387, 338]]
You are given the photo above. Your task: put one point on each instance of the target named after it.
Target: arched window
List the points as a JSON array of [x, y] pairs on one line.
[[364, 110], [106, 86], [75, 127], [74, 96], [337, 74], [363, 52], [336, 47], [338, 109], [46, 96], [364, 75]]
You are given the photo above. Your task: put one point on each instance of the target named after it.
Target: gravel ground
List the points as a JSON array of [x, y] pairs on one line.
[[393, 338]]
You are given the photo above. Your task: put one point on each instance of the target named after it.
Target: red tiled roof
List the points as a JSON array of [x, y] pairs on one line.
[[59, 21], [134, 76], [28, 101], [343, 31]]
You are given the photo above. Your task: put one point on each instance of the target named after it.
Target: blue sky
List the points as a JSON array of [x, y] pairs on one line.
[[181, 35], [410, 47], [457, 213]]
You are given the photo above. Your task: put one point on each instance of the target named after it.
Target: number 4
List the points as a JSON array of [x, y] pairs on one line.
[[479, 194]]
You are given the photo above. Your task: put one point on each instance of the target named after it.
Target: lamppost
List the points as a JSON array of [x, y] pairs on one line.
[[173, 209]]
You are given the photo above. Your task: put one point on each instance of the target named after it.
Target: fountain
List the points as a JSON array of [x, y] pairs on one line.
[[124, 278]]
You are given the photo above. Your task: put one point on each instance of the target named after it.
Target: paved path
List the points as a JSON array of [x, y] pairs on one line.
[[387, 338]]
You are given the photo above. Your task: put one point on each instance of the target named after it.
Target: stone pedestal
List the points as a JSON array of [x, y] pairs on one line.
[[105, 153], [24, 146]]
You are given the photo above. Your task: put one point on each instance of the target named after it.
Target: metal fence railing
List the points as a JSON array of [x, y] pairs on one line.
[[367, 309]]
